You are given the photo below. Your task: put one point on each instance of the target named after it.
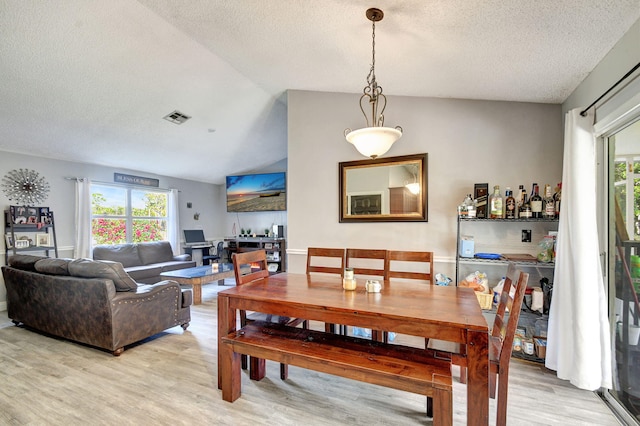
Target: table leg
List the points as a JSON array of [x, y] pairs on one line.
[[229, 379], [477, 378], [197, 293]]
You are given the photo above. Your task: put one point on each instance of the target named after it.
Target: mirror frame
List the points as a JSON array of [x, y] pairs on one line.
[[419, 216]]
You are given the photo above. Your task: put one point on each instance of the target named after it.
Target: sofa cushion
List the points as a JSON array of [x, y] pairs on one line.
[[155, 252], [114, 271], [127, 254], [175, 265], [25, 262], [141, 273], [53, 266]]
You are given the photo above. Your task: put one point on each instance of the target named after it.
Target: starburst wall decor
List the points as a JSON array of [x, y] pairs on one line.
[[25, 187]]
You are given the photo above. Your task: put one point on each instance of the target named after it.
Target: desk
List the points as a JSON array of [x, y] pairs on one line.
[[198, 252], [445, 313]]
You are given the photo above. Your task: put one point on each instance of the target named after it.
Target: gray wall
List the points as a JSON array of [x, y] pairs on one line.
[[504, 143]]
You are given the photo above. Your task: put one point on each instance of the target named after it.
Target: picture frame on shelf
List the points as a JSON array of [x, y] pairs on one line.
[[43, 240], [21, 244], [8, 240], [44, 216], [32, 215], [18, 214]]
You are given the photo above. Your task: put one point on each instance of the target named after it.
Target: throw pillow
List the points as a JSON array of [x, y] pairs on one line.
[[53, 266], [114, 271], [25, 262]]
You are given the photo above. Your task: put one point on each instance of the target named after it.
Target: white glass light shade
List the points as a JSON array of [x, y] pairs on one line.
[[373, 141], [414, 188]]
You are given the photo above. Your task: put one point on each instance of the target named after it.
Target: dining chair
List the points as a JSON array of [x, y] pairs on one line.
[[326, 261], [400, 264], [500, 340], [367, 263], [251, 266], [332, 260], [410, 265]]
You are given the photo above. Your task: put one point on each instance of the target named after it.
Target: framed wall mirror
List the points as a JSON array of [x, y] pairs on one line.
[[392, 189]]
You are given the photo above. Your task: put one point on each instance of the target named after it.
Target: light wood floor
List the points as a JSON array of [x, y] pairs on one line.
[[172, 379]]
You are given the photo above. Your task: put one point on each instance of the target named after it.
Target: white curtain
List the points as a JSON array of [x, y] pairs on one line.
[[83, 218], [578, 343], [173, 227]]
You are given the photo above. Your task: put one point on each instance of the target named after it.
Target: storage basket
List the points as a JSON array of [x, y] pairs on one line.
[[485, 299]]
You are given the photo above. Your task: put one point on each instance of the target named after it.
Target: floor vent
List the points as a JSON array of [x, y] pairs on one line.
[[176, 117]]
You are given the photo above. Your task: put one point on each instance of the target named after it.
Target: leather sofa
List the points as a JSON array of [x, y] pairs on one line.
[[144, 262], [91, 302]]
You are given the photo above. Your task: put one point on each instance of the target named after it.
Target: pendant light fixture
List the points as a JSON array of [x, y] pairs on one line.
[[375, 139]]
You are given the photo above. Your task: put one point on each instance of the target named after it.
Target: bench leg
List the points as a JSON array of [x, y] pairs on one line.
[[442, 407], [284, 371], [429, 406], [257, 368]]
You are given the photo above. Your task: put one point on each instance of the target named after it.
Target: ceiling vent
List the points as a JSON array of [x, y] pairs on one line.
[[176, 117]]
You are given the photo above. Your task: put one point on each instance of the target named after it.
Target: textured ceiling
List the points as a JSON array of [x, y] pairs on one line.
[[89, 80]]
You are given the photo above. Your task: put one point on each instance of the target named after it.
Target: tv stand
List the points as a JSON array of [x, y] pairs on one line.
[[274, 247]]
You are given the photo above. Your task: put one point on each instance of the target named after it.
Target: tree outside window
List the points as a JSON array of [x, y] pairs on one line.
[[126, 215]]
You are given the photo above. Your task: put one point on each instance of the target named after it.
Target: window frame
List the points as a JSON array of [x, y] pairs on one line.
[[128, 216]]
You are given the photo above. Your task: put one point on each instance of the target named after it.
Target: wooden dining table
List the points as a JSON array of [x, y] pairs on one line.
[[437, 312]]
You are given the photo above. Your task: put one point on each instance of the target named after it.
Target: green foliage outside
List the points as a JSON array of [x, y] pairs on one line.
[[620, 176], [112, 230]]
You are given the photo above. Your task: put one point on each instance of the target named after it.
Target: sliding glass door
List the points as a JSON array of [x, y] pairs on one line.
[[624, 267]]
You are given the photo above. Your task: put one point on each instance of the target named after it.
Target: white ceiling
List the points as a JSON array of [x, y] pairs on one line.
[[90, 80]]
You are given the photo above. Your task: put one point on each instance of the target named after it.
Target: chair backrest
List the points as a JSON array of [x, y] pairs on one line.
[[365, 267], [397, 265], [255, 257], [503, 332], [334, 256], [220, 248]]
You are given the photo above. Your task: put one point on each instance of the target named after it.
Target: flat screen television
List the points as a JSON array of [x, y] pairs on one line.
[[262, 192]]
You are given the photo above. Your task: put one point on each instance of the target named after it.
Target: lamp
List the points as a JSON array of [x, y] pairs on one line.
[[413, 187], [375, 139]]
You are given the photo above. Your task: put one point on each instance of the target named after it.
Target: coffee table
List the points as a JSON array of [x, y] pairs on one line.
[[200, 275]]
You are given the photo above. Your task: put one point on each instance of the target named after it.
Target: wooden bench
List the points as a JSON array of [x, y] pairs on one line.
[[399, 367]]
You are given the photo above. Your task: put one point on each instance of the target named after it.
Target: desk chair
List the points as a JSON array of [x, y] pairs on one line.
[[413, 265], [257, 271], [500, 341], [214, 257], [329, 257]]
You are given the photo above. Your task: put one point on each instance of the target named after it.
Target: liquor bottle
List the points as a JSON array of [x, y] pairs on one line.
[[536, 203], [471, 206], [519, 201], [525, 211], [495, 204], [548, 204], [556, 199], [462, 208], [510, 205]]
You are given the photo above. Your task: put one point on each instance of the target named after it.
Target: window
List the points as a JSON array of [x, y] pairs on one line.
[[120, 214]]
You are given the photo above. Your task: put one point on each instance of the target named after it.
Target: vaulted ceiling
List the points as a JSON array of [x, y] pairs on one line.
[[91, 80]]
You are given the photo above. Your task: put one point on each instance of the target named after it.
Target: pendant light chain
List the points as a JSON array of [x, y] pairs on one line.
[[371, 78]]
